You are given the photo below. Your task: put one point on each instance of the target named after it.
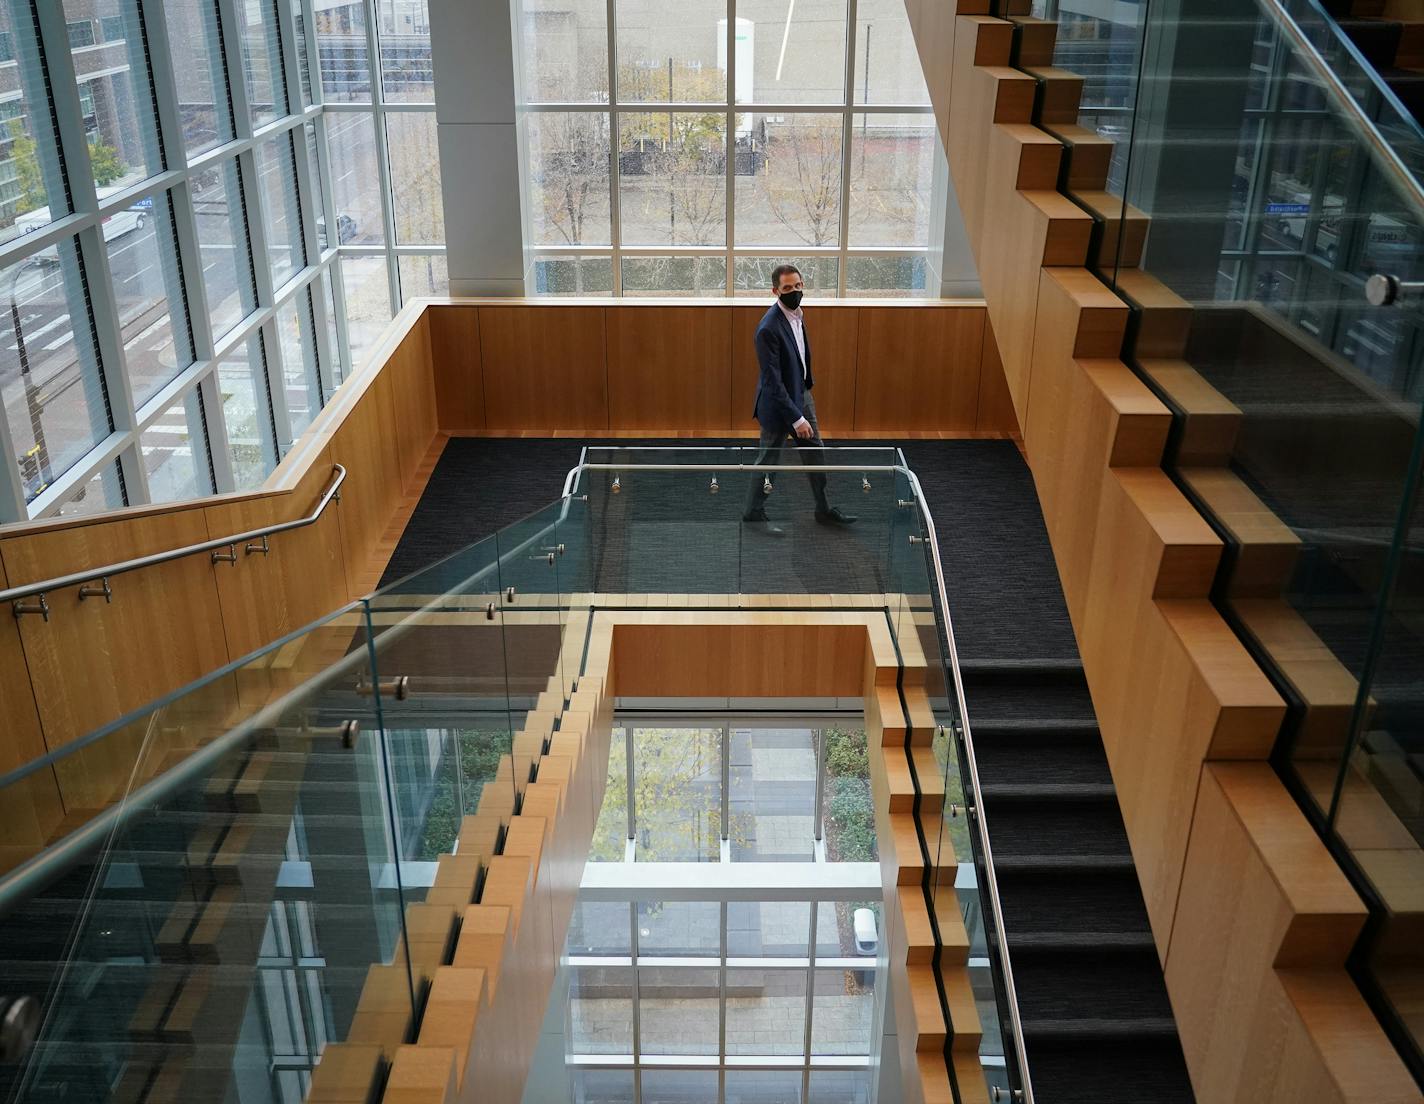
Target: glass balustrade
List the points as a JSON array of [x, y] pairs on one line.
[[1249, 169], [210, 892]]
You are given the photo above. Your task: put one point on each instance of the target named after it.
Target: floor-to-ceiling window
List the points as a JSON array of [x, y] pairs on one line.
[[727, 943], [198, 239], [689, 146]]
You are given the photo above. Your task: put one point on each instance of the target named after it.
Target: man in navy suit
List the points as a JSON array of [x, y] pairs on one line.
[[784, 406]]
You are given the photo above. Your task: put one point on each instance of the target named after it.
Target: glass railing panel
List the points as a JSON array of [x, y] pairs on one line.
[[963, 884], [240, 907], [666, 521], [438, 647], [1377, 807]]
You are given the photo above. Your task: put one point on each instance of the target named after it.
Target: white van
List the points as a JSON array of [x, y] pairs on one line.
[[867, 938], [116, 224]]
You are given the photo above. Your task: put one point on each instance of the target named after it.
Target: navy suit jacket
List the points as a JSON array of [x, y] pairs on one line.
[[781, 390]]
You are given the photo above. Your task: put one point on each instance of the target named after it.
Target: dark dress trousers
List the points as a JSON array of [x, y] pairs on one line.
[[783, 396]]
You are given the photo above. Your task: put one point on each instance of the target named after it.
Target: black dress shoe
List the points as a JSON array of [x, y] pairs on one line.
[[760, 523], [835, 516]]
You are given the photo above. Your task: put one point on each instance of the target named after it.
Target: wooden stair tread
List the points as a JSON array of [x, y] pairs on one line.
[[1238, 507]]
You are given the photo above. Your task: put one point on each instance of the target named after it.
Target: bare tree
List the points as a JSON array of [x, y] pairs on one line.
[[802, 182]]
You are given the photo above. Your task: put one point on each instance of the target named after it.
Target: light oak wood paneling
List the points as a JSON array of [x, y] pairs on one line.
[[1264, 1007], [458, 368], [670, 367], [996, 405], [365, 444], [93, 661], [302, 578], [23, 739], [548, 368], [918, 369], [412, 389], [832, 331]]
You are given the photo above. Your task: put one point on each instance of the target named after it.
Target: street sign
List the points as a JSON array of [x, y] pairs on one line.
[[1288, 208]]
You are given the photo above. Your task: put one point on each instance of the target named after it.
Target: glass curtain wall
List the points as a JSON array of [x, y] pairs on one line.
[[189, 269], [686, 148]]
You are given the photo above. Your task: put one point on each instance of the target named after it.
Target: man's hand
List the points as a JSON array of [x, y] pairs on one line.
[[803, 429]]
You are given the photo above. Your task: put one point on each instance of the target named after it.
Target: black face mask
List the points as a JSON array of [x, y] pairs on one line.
[[790, 299]]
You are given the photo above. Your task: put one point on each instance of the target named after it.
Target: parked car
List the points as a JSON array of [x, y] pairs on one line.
[[867, 937]]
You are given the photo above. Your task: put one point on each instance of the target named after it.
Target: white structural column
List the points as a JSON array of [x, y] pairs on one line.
[[953, 273], [472, 45]]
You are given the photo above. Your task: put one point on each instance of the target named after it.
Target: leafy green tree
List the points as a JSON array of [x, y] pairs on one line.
[[849, 812], [27, 168], [106, 163], [479, 760]]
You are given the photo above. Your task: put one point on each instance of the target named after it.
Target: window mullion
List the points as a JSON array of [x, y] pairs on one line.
[[69, 125], [730, 145], [383, 165], [847, 120], [615, 216]]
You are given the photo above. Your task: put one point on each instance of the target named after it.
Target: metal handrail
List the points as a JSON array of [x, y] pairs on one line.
[[78, 578], [981, 822], [1385, 154]]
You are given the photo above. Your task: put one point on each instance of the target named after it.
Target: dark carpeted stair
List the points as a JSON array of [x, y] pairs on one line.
[[1097, 1023]]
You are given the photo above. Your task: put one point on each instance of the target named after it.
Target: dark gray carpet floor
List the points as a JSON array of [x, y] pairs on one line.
[[1097, 1023]]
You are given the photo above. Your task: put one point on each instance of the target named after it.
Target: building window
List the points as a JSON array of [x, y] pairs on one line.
[[81, 33], [726, 148]]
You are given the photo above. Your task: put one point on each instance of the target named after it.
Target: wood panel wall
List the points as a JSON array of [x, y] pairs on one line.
[[540, 366], [166, 626], [1251, 917]]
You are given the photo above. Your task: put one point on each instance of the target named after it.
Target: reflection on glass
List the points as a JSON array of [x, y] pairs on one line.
[[677, 795], [763, 1087], [601, 1010], [766, 1012], [345, 59], [790, 53], [674, 276], [573, 276], [204, 102], [277, 180], [415, 178], [116, 92], [407, 75], [840, 1087], [53, 392], [773, 798], [175, 452], [663, 1086], [251, 436], [887, 65], [568, 177], [42, 194], [600, 928], [788, 180], [149, 295], [678, 1010], [355, 186], [222, 238], [678, 929], [849, 809], [610, 836], [262, 61], [659, 59], [423, 276], [887, 277], [768, 929], [672, 178], [891, 172], [602, 1086], [333, 344], [366, 283], [104, 491], [299, 361], [303, 62], [752, 275], [836, 935], [565, 50], [843, 1012]]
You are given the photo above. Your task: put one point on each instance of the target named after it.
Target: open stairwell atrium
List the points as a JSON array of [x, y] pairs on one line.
[[711, 552]]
